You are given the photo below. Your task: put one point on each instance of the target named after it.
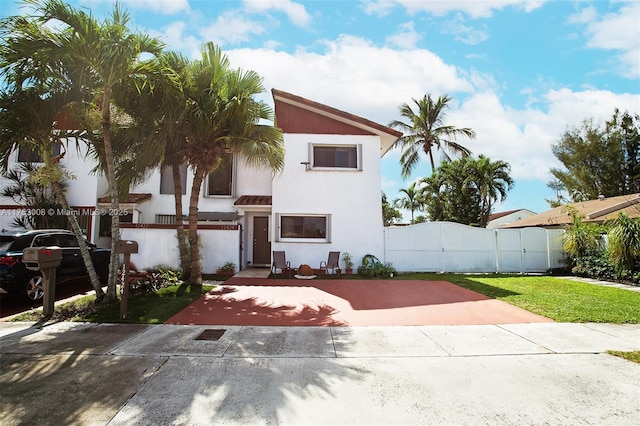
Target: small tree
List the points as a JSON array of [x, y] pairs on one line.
[[624, 243], [580, 238], [36, 199], [390, 214]]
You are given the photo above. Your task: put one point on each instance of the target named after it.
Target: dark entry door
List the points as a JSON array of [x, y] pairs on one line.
[[261, 244]]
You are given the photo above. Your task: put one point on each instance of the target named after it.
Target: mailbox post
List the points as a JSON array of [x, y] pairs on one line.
[[45, 260], [126, 247]]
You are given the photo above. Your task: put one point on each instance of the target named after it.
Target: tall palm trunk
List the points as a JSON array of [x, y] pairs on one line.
[[196, 267], [84, 251], [75, 227], [182, 243], [113, 194]]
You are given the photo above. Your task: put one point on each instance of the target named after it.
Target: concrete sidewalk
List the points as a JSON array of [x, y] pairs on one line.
[[544, 373]]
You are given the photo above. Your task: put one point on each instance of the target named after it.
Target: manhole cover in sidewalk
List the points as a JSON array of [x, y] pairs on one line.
[[210, 334]]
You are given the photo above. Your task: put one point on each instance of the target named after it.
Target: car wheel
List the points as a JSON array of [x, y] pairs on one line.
[[34, 290]]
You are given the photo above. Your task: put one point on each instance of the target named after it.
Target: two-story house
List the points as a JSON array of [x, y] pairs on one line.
[[326, 198]]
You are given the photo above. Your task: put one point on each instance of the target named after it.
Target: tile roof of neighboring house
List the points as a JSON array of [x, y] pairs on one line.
[[351, 124], [131, 199], [253, 200], [594, 211], [498, 215]]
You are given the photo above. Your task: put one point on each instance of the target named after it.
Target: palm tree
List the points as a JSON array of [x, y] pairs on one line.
[[152, 138], [36, 94], [411, 199], [624, 242], [425, 131], [223, 117], [492, 181], [110, 55]]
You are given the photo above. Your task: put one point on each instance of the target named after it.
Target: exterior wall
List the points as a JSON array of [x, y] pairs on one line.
[[352, 198], [157, 246]]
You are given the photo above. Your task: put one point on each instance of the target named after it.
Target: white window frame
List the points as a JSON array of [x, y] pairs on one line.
[[358, 148], [280, 238]]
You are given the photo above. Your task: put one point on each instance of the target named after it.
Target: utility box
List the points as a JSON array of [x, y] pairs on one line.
[[126, 247], [41, 258]]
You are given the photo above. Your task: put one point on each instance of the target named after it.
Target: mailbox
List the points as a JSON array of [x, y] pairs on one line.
[[126, 247], [41, 258]]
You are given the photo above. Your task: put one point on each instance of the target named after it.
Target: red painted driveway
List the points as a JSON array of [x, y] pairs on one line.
[[291, 302]]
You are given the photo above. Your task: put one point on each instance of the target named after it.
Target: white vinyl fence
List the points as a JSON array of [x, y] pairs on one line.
[[452, 247]]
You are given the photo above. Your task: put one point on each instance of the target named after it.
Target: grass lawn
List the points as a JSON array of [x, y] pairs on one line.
[[631, 356], [152, 308], [559, 299], [556, 298]]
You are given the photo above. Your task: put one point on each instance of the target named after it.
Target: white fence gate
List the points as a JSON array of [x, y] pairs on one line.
[[452, 247]]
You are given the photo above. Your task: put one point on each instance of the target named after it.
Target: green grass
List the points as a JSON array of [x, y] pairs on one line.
[[631, 356], [556, 298], [152, 308]]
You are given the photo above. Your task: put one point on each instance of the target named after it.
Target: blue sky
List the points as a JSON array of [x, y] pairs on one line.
[[520, 72]]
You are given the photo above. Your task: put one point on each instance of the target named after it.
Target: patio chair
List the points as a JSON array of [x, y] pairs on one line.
[[280, 262], [331, 265]]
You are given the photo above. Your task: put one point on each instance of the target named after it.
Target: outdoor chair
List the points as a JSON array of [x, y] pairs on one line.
[[331, 265], [280, 262]]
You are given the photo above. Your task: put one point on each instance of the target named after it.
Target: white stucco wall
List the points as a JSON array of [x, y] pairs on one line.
[[82, 189], [159, 247], [351, 197]]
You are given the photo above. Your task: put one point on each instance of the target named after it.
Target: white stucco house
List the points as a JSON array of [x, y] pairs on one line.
[[326, 198]]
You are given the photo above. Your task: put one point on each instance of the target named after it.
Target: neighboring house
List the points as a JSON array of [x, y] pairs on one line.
[[502, 219], [594, 211], [327, 197]]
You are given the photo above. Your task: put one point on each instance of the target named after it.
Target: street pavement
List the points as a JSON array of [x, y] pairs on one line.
[[515, 374]]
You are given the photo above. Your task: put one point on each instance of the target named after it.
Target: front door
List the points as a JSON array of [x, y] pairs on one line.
[[261, 244]]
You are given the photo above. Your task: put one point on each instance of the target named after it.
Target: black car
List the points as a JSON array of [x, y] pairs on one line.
[[17, 280]]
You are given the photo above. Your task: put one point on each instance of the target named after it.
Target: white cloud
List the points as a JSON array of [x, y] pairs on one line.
[[378, 7], [617, 31], [294, 11], [464, 33], [524, 137], [354, 75], [165, 7], [232, 27], [405, 38], [174, 35], [475, 9]]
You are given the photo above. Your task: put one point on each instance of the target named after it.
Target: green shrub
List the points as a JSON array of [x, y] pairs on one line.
[[372, 267]]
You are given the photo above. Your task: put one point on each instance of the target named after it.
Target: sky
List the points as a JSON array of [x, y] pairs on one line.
[[520, 72]]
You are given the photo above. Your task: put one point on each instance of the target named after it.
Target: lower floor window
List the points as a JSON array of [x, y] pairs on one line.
[[303, 226]]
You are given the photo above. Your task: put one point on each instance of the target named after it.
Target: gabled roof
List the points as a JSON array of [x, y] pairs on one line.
[[498, 215], [295, 114], [594, 211]]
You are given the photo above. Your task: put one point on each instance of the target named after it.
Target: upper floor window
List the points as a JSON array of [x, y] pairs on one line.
[[26, 154], [166, 179], [220, 181], [336, 157]]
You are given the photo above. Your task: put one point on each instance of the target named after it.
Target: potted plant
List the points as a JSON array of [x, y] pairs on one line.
[[348, 263], [227, 270]]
